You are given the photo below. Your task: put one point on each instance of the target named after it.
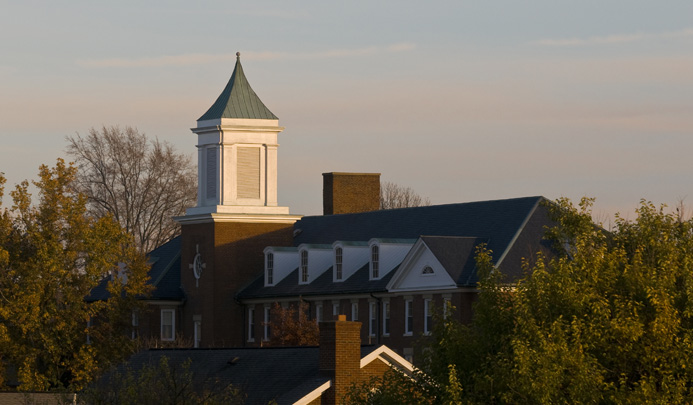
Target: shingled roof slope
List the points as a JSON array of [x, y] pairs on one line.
[[164, 274], [284, 374], [498, 221]]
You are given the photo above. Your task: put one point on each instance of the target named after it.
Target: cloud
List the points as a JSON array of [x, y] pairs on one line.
[[203, 58], [614, 39]]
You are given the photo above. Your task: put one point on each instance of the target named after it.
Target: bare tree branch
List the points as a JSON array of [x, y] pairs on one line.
[[143, 183], [396, 196]]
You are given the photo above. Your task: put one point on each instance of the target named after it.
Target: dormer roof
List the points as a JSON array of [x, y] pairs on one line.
[[238, 100]]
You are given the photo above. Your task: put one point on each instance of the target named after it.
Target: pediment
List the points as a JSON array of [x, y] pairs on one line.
[[421, 270]]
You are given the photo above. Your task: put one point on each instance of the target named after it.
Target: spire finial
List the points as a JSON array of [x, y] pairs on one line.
[[238, 55]]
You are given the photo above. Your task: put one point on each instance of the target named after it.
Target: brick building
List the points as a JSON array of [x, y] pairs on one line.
[[240, 252]]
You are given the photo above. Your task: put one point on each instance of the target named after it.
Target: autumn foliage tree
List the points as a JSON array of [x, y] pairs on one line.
[[142, 183], [291, 326], [609, 319], [52, 254]]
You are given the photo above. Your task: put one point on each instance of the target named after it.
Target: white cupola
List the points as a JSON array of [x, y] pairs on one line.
[[237, 153]]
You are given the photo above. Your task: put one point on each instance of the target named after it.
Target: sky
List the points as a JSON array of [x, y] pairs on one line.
[[459, 100]]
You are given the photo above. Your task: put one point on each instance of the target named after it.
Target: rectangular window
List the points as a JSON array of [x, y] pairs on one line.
[[338, 263], [248, 172], [304, 266], [266, 324], [354, 311], [408, 317], [251, 324], [168, 325], [386, 318], [372, 318], [446, 307], [197, 333], [211, 173], [270, 268], [318, 312], [428, 313], [335, 309]]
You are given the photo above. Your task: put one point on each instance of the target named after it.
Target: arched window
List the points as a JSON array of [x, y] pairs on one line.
[[427, 270], [304, 266], [338, 263], [375, 261], [270, 268]]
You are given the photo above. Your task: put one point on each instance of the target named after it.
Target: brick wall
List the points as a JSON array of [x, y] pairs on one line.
[[232, 253], [344, 193]]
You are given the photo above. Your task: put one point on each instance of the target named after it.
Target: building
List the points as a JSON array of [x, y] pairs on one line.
[[287, 375], [240, 252]]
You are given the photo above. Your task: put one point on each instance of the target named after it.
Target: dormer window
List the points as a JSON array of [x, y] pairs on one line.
[[427, 270], [375, 261], [270, 268], [304, 266], [338, 263]]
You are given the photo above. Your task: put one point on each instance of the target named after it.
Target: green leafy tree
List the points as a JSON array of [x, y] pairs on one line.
[[608, 319], [52, 254]]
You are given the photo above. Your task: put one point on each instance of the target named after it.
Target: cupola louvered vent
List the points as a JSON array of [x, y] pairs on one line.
[[248, 172]]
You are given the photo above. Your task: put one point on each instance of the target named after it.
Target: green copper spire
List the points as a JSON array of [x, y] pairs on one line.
[[238, 100]]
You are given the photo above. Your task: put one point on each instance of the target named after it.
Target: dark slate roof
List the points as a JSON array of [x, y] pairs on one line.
[[238, 100], [284, 374], [358, 283], [497, 221], [164, 274], [456, 254]]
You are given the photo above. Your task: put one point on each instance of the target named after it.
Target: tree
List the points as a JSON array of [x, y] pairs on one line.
[[142, 183], [393, 195], [291, 326], [609, 319], [52, 255]]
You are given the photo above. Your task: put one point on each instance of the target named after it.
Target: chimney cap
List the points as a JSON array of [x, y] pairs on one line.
[[341, 318]]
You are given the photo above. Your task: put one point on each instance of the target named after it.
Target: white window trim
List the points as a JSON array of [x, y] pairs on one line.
[[269, 266], [173, 325], [303, 274], [354, 311], [408, 317], [386, 318], [318, 313], [375, 264], [335, 309]]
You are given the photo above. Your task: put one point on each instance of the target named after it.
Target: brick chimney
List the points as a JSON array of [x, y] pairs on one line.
[[340, 356], [345, 193]]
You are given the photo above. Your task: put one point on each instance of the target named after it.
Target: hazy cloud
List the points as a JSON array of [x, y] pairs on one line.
[[203, 58], [614, 39]]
